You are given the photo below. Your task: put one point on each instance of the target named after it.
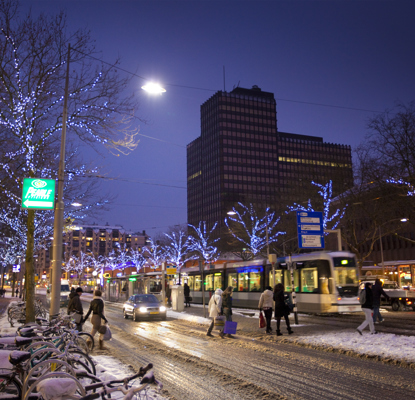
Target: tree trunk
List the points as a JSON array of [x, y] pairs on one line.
[[30, 271]]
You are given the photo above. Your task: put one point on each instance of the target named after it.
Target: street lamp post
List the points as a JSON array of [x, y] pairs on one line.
[[59, 209], [59, 206]]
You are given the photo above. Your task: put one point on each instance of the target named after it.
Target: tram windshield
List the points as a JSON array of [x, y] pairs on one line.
[[346, 276]]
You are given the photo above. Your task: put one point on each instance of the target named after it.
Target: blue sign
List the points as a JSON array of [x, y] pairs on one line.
[[310, 230]]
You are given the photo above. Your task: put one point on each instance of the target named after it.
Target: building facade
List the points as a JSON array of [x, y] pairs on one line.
[[99, 240], [241, 156]]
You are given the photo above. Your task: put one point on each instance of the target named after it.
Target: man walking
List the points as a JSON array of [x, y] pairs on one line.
[[366, 300], [377, 291]]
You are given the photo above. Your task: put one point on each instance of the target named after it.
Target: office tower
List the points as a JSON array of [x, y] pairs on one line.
[[241, 156]]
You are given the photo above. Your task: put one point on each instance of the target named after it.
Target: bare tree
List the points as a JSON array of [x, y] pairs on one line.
[[32, 75], [388, 150], [178, 248], [253, 232]]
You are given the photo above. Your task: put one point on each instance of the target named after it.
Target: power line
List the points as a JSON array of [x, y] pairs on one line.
[[328, 105], [144, 205], [214, 90], [130, 181]]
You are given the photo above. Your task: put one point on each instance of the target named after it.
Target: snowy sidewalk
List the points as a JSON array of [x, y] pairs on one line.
[[383, 345], [108, 367]]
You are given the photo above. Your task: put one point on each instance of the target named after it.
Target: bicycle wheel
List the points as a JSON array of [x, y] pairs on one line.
[[79, 366], [10, 388], [89, 339], [81, 344], [76, 355]]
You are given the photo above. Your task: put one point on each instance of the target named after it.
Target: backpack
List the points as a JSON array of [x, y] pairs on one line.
[[362, 297]]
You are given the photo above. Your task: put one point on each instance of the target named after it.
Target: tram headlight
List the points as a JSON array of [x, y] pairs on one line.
[[143, 309], [162, 308]]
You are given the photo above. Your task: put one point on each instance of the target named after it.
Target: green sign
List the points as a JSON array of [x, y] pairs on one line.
[[38, 193]]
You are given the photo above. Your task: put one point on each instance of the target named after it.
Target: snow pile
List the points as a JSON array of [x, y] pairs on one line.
[[384, 345]]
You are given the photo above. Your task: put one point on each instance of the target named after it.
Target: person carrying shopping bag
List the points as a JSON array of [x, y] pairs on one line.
[[266, 303], [227, 305], [96, 307]]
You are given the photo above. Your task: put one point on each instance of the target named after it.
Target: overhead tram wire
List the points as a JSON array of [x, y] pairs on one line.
[[214, 90], [129, 181]]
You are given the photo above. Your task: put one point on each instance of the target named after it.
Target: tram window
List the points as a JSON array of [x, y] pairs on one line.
[[254, 281], [233, 280], [278, 277], [191, 282], [309, 280], [154, 287], [217, 281], [287, 280], [243, 282], [198, 283], [209, 283]]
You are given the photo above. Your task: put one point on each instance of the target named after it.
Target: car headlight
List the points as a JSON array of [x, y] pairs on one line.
[[143, 309], [162, 308]]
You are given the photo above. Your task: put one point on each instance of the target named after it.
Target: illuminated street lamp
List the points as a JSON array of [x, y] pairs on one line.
[[153, 88], [59, 206]]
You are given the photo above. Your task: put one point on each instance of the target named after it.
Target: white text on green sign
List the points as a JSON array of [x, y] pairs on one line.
[[38, 193]]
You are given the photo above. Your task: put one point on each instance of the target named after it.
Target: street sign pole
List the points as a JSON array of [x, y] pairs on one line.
[[163, 283], [293, 294], [203, 287]]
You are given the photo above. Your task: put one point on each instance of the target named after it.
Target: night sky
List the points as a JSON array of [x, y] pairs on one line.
[[332, 65]]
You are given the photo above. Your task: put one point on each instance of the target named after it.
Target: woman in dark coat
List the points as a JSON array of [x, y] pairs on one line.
[[281, 309], [96, 307], [227, 304], [187, 294]]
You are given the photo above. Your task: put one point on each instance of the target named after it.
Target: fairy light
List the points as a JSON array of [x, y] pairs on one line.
[[326, 192], [410, 187], [255, 229], [203, 243], [178, 250]]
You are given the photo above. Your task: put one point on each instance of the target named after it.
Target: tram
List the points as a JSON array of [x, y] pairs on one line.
[[324, 282]]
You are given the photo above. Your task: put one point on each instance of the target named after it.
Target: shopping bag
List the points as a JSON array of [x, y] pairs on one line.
[[107, 334], [262, 322], [102, 329], [190, 298], [288, 303], [219, 322], [77, 317], [230, 327]]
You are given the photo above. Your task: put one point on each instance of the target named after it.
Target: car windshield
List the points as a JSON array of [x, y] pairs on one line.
[[64, 288], [393, 285], [146, 298]]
